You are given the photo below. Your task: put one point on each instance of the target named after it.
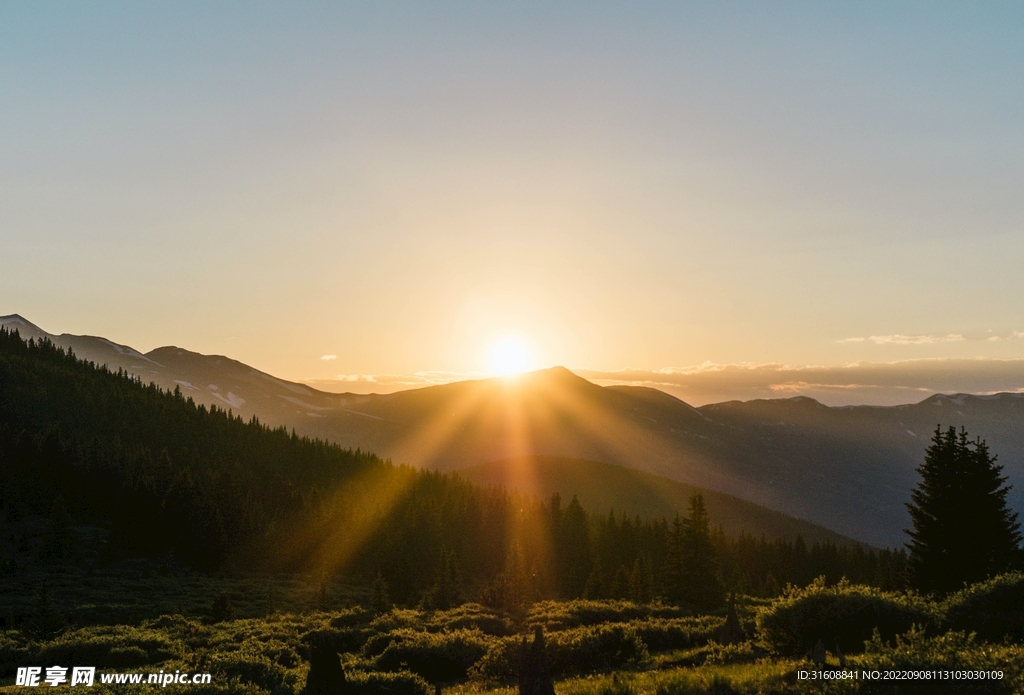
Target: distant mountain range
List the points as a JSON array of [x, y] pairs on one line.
[[849, 469]]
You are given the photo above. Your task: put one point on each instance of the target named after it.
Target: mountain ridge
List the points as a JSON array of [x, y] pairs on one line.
[[848, 468]]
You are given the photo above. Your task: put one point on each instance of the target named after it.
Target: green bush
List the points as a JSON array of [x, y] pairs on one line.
[[440, 656], [559, 615], [845, 613], [470, 616], [353, 617], [343, 640], [662, 635], [107, 646], [993, 609], [580, 650], [249, 667], [396, 683], [953, 651]]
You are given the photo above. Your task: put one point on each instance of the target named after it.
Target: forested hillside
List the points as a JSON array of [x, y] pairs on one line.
[[601, 486], [166, 475]]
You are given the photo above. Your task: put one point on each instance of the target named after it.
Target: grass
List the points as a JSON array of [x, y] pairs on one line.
[[152, 615]]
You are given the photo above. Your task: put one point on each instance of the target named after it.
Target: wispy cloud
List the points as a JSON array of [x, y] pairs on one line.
[[871, 383], [859, 383], [924, 339], [328, 358], [899, 339], [369, 378]]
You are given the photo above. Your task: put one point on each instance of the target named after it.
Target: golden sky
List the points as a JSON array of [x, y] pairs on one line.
[[650, 188]]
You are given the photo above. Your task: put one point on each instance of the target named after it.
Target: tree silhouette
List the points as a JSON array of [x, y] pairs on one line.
[[447, 591], [700, 583], [963, 531], [379, 599]]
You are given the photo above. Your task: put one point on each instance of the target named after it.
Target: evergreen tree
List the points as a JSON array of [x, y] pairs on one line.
[[574, 550], [620, 584], [640, 581], [963, 531], [447, 591], [379, 599], [595, 582], [511, 590], [700, 584], [673, 572]]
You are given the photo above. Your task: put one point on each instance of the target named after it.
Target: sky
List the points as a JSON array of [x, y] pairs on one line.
[[373, 195]]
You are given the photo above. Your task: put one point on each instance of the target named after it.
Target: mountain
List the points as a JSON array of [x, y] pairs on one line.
[[601, 487], [208, 379], [153, 473], [850, 469]]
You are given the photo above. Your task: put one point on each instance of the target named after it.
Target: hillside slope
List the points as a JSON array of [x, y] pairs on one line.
[[602, 487], [850, 469]]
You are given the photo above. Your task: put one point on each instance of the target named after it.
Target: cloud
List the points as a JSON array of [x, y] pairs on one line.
[[899, 339], [1018, 334], [328, 358], [860, 383], [356, 377], [851, 340]]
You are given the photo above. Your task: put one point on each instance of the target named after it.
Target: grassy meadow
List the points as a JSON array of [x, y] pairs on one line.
[[252, 632]]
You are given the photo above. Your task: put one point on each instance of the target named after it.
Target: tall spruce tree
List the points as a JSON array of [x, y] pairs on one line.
[[963, 531], [673, 568], [700, 584]]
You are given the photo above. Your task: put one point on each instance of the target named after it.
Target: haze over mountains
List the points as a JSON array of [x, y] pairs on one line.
[[849, 468]]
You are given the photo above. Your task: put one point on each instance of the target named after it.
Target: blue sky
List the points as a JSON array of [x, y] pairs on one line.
[[647, 186]]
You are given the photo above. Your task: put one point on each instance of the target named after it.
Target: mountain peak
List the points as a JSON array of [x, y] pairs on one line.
[[26, 328]]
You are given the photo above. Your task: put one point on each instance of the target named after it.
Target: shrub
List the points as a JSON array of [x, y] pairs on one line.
[[661, 634], [993, 609], [342, 640], [846, 614], [558, 615], [953, 651], [470, 616], [396, 683], [442, 656], [107, 646], [579, 650], [249, 667], [352, 617]]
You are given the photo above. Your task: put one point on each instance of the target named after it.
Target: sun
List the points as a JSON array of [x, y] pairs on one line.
[[510, 355]]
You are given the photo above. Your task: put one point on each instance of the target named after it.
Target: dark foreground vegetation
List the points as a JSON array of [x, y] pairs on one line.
[[600, 647]]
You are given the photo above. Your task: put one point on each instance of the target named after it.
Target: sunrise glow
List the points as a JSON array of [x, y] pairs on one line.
[[510, 355]]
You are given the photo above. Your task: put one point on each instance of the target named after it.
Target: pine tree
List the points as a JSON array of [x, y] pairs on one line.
[[700, 583], [379, 599], [595, 590], [963, 531], [640, 581], [574, 550], [620, 584], [447, 591], [673, 572]]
